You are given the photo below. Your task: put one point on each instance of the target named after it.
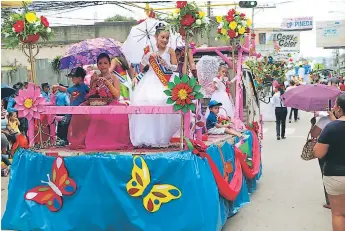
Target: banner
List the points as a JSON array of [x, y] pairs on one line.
[[284, 41], [302, 23], [330, 34]]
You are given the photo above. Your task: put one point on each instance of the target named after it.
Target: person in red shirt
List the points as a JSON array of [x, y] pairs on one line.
[[342, 85]]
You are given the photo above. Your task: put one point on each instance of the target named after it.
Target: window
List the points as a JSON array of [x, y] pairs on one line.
[[262, 38]]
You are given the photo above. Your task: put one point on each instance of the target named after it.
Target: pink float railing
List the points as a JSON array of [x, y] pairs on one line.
[[52, 111]]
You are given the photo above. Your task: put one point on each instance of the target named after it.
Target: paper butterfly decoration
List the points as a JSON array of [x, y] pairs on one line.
[[51, 195], [153, 195]]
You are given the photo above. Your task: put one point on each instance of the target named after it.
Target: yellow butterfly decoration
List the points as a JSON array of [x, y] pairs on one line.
[[154, 195]]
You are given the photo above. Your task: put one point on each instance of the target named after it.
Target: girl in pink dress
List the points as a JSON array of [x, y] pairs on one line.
[[101, 132]]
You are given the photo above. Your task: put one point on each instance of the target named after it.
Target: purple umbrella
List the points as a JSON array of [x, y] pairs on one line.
[[86, 52], [311, 97]]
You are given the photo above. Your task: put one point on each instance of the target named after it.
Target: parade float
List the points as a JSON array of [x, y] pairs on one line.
[[200, 184]]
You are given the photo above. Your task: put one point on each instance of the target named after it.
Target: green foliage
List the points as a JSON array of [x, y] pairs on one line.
[[56, 64], [120, 18], [318, 66]]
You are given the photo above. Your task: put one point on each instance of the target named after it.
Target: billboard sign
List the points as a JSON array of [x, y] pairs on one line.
[[330, 34], [284, 41], [301, 23]]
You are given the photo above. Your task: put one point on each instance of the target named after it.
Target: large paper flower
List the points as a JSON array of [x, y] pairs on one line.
[[31, 17], [44, 21], [181, 4], [18, 26], [29, 103], [233, 25], [182, 92], [187, 20]]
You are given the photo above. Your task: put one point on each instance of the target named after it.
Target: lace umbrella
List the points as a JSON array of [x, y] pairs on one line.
[[207, 68], [143, 35]]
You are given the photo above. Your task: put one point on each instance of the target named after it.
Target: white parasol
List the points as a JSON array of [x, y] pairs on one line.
[[143, 35]]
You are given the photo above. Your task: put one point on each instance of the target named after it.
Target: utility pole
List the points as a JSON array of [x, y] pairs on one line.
[[208, 15]]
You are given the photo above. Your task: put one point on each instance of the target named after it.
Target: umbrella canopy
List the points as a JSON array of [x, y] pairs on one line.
[[6, 91], [143, 35], [311, 97], [86, 52]]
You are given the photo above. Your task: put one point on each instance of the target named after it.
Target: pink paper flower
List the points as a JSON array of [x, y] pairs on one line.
[[29, 102]]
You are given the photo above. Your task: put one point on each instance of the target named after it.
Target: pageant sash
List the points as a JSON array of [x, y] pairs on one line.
[[162, 72]]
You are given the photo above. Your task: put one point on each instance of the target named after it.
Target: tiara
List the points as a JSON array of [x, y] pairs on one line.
[[222, 64], [162, 27]]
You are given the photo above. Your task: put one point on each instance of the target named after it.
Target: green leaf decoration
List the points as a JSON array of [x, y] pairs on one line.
[[177, 107], [171, 85], [192, 82], [189, 144], [185, 78], [199, 95], [192, 107], [245, 148], [250, 163], [197, 88], [177, 80], [167, 92], [170, 101], [185, 109], [43, 189]]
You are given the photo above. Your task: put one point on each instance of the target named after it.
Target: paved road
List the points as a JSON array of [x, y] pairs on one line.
[[289, 195]]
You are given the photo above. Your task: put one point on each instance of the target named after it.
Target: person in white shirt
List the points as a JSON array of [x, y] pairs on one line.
[[280, 112], [325, 118], [294, 110]]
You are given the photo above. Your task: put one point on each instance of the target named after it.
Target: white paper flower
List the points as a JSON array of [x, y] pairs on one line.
[[206, 20], [49, 30], [13, 30], [198, 22], [220, 25], [216, 38]]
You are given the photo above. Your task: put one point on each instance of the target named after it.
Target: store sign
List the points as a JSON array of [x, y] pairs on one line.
[[284, 41], [330, 34], [302, 23]]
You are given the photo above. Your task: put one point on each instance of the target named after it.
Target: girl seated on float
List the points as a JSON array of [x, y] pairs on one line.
[[220, 94], [123, 71], [154, 130], [101, 132]]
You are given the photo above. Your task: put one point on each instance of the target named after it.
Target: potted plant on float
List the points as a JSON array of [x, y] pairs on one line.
[[26, 27]]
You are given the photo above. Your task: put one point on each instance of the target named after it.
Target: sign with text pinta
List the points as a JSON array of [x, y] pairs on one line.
[[284, 41], [301, 23]]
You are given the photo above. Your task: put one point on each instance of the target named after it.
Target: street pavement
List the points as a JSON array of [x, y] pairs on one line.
[[290, 192], [289, 196]]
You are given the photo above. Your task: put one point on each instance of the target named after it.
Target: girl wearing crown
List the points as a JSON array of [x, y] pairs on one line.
[[155, 130], [220, 94]]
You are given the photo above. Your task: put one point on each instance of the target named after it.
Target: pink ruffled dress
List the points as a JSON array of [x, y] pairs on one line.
[[100, 132]]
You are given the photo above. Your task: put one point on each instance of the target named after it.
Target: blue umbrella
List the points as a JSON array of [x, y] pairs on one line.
[[6, 91]]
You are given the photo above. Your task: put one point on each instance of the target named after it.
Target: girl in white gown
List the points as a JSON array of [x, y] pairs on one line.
[[220, 95], [154, 130]]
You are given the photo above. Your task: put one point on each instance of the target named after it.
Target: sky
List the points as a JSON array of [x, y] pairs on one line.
[[320, 10]]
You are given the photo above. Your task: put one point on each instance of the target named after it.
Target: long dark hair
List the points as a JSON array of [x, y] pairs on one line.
[[341, 102], [123, 62]]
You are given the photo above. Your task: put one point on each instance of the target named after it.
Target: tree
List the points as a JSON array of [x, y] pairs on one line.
[[119, 18], [318, 66]]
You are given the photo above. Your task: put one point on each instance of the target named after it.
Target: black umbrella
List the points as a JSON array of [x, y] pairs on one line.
[[6, 91]]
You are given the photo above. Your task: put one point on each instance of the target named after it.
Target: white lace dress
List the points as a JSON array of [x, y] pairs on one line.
[[221, 96], [152, 130]]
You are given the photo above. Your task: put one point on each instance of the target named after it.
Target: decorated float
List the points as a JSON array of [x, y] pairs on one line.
[[200, 184]]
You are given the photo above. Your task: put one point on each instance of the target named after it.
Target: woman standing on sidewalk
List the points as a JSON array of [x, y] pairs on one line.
[[330, 146], [280, 112], [325, 118]]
